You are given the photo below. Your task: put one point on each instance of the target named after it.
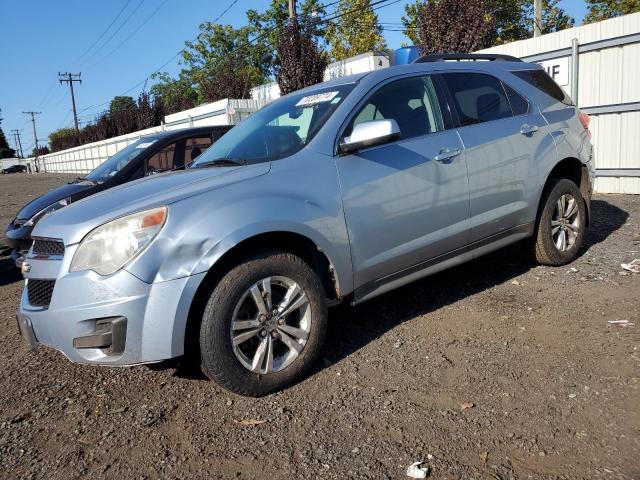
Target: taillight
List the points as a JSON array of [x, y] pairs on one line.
[[584, 120]]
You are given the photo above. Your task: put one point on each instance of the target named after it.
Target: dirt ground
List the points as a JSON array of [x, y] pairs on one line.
[[553, 389]]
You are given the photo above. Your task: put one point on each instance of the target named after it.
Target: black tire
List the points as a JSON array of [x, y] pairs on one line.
[[219, 362], [545, 250]]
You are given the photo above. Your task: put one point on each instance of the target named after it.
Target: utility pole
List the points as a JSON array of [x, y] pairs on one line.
[[292, 10], [33, 121], [70, 78], [16, 135], [537, 18]]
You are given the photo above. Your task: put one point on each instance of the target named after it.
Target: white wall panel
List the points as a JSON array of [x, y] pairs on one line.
[[607, 76]]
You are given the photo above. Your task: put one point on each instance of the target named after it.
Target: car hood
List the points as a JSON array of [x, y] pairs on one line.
[[72, 223], [43, 201]]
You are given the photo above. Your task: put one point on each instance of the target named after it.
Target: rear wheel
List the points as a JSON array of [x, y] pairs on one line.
[[561, 224], [264, 324]]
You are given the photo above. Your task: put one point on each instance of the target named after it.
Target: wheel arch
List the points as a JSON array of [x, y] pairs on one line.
[[288, 241], [572, 169]]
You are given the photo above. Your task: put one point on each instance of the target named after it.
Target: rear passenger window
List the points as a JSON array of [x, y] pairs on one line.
[[519, 104], [412, 102], [543, 82], [477, 97]]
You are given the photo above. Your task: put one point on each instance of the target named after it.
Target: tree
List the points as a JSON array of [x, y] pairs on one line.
[[5, 150], [513, 19], [267, 27], [40, 151], [355, 30], [302, 63], [121, 103], [453, 26], [174, 94], [223, 63], [554, 18], [602, 9]]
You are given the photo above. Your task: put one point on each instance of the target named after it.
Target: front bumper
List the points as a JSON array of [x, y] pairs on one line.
[[113, 320]]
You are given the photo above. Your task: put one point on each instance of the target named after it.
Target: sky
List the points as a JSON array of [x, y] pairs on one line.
[[115, 44]]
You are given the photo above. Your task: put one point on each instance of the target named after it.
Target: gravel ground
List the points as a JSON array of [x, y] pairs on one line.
[[494, 370]]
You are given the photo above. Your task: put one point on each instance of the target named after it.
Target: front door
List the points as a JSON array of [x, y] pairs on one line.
[[405, 202]]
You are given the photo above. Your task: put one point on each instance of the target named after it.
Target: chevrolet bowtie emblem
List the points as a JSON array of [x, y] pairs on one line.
[[26, 267]]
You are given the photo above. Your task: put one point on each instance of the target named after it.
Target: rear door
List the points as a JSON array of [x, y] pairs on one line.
[[502, 136], [405, 202]]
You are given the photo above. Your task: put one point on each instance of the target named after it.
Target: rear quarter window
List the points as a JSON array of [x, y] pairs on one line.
[[543, 82]]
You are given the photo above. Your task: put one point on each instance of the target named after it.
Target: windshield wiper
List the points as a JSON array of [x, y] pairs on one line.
[[223, 162]]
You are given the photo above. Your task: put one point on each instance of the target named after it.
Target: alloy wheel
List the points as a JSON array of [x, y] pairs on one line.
[[271, 325], [565, 222]]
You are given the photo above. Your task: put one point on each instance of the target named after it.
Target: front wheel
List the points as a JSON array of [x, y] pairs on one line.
[[561, 224], [264, 324]]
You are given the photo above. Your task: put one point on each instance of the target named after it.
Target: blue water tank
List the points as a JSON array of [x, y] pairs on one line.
[[405, 55]]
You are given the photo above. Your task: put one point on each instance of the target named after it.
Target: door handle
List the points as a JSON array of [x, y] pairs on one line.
[[528, 130], [446, 155]]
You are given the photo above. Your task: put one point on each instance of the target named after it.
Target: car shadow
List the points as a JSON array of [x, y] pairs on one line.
[[605, 219], [351, 328]]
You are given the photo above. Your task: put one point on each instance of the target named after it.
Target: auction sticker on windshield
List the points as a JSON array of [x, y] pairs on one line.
[[317, 98]]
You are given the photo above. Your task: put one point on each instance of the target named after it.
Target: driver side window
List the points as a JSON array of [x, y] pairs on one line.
[[412, 102]]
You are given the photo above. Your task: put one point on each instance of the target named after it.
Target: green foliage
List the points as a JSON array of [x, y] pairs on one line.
[[176, 94], [5, 150], [36, 152], [267, 27], [223, 63], [554, 18], [355, 30], [124, 116], [602, 9], [121, 103]]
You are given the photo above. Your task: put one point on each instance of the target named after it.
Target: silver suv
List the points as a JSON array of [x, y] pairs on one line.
[[344, 190]]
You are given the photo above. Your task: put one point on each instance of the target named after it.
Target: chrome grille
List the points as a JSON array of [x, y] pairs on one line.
[[48, 247], [39, 292]]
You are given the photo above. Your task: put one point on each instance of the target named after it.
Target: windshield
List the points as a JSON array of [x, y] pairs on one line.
[[278, 130], [117, 162]]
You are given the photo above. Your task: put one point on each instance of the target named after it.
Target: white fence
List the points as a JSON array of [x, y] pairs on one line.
[[85, 158], [599, 66]]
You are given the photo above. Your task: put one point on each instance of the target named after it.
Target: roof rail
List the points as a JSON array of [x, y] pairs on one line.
[[441, 57]]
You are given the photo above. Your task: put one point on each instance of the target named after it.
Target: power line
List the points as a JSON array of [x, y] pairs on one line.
[[378, 4], [164, 64], [103, 32], [131, 35], [126, 20]]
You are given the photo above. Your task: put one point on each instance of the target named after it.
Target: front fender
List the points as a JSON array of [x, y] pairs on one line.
[[201, 229]]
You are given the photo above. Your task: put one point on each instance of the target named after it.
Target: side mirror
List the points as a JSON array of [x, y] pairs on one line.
[[370, 134]]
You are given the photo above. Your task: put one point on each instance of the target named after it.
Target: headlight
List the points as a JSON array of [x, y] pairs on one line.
[[46, 211], [109, 247]]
